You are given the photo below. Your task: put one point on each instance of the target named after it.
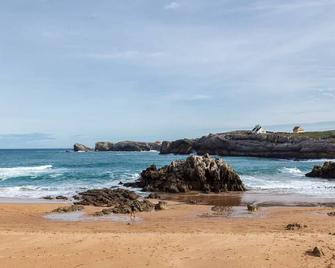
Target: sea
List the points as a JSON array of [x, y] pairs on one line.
[[35, 173]]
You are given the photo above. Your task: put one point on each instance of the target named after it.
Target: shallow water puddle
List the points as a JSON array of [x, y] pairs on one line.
[[82, 216]]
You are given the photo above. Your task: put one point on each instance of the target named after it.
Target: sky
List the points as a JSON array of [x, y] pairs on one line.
[[90, 70]]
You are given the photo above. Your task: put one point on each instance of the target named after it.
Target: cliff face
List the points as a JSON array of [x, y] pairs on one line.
[[127, 146], [81, 148], [246, 143]]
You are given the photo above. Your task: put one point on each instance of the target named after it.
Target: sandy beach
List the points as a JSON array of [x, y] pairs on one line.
[[181, 236]]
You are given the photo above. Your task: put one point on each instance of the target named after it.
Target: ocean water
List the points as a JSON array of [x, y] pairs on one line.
[[37, 173]]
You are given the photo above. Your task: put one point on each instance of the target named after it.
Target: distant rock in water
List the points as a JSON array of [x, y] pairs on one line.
[[197, 173], [246, 143], [327, 170], [81, 148], [131, 146], [104, 146]]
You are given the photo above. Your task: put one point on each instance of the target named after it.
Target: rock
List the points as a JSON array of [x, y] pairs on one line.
[[196, 173], [222, 210], [48, 197], [81, 148], [245, 143], [106, 197], [316, 252], [184, 146], [61, 197], [117, 200], [161, 205], [326, 171], [331, 214], [104, 146], [252, 207], [72, 208], [295, 226], [153, 196], [134, 146]]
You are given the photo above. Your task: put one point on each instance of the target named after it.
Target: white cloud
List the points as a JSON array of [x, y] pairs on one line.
[[172, 5]]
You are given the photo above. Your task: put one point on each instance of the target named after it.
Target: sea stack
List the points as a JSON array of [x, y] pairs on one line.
[[196, 173], [81, 148], [327, 171]]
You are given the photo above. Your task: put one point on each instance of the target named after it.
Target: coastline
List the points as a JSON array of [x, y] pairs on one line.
[[184, 235]]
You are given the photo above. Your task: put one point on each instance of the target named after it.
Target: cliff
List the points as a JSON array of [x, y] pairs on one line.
[[245, 143], [128, 146]]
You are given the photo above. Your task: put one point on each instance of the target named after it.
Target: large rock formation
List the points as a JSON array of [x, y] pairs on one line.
[[198, 173], [81, 148], [128, 146], [327, 170], [246, 143]]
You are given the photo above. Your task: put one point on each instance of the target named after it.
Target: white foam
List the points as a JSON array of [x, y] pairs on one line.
[[293, 171], [6, 173]]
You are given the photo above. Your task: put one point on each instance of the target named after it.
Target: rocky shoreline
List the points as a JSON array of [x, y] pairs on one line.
[[309, 145]]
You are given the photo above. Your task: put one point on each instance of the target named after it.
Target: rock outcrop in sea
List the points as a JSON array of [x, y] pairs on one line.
[[81, 148], [128, 146], [246, 143], [327, 171], [196, 173]]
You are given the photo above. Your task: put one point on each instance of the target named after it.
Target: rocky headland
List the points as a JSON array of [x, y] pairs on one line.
[[247, 143], [128, 146], [327, 171], [196, 173]]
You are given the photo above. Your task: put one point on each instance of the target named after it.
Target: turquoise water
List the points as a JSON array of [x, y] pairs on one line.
[[36, 173]]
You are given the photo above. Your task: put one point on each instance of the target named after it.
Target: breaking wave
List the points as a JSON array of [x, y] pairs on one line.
[[6, 173]]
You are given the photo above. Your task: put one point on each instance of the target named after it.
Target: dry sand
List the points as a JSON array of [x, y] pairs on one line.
[[182, 236]]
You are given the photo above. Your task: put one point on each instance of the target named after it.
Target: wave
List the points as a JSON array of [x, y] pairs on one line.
[[6, 173], [293, 171]]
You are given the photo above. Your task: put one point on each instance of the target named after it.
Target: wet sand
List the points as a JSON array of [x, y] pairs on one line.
[[184, 235]]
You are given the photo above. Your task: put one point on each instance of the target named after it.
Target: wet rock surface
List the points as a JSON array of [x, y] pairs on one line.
[[196, 173], [295, 226], [327, 171], [68, 209], [119, 201]]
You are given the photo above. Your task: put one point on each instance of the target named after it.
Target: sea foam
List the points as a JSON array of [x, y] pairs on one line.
[[6, 173]]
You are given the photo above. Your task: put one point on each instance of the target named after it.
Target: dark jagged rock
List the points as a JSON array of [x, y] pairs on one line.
[[81, 148], [331, 214], [61, 197], [72, 208], [316, 252], [198, 173], [118, 200], [128, 146], [247, 143], [326, 171]]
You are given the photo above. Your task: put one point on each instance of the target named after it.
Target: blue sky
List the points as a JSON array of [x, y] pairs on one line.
[[88, 70]]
